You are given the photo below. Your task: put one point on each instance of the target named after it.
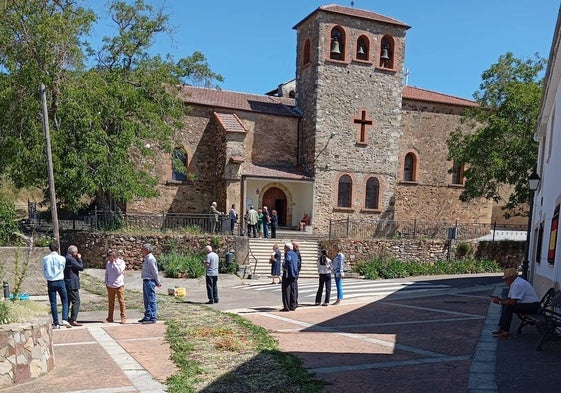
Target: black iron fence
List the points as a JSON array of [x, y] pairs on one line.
[[97, 220], [414, 229]]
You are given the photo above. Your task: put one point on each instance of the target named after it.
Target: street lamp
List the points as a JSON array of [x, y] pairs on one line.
[[533, 183]]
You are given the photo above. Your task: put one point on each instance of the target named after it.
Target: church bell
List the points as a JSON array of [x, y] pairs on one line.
[[335, 47], [385, 54], [360, 50]]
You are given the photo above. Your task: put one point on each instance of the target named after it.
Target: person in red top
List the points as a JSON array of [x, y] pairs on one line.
[[304, 221]]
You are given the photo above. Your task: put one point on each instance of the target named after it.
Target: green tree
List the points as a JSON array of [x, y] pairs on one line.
[[501, 150], [110, 119]]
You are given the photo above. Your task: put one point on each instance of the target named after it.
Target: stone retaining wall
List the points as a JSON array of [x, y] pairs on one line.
[[94, 246], [505, 253], [26, 351]]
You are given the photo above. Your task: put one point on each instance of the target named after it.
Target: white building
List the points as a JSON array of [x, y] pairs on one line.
[[544, 246]]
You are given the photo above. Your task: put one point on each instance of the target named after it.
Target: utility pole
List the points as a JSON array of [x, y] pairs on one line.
[[52, 194]]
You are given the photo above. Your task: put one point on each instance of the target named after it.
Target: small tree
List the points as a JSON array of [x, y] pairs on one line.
[[501, 151]]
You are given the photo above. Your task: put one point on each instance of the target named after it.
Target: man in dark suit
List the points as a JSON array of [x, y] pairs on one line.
[[74, 266]]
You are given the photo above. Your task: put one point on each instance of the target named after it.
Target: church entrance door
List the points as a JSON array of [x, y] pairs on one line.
[[275, 199]]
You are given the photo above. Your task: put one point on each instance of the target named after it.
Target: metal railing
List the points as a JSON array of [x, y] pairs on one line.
[[97, 220], [414, 229]]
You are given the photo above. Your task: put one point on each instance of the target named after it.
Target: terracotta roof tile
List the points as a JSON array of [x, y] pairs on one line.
[[230, 122], [277, 172], [414, 93], [242, 101], [357, 13]]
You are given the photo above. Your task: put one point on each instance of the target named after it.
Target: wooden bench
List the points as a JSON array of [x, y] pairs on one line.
[[532, 319], [548, 319]]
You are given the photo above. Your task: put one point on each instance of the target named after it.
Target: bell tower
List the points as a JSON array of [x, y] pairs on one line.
[[349, 72]]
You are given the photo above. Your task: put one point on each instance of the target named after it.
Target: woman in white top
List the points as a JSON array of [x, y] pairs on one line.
[[324, 270]]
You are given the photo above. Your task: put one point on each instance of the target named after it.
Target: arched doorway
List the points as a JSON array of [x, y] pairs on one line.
[[275, 199]]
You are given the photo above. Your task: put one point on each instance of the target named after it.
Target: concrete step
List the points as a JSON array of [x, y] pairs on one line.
[[261, 250]]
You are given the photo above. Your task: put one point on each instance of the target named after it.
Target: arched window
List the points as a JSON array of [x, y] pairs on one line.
[[337, 49], [306, 54], [372, 193], [179, 164], [457, 173], [362, 48], [409, 167], [345, 191], [387, 51]]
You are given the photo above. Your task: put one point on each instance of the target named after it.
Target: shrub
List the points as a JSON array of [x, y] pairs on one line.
[[8, 221], [387, 266], [463, 250], [182, 264]]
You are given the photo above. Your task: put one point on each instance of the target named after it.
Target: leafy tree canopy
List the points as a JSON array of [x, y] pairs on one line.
[[501, 151], [110, 109]]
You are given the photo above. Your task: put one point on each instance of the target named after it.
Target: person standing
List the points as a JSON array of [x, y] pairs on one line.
[[274, 224], [115, 283], [324, 270], [150, 280], [275, 262], [74, 265], [252, 218], [260, 223], [521, 298], [233, 218], [214, 210], [53, 270], [211, 264], [266, 222], [296, 247], [339, 273], [290, 275]]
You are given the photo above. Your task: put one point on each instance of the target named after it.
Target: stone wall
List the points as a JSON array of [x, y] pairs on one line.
[[94, 246], [26, 351], [506, 253], [432, 195]]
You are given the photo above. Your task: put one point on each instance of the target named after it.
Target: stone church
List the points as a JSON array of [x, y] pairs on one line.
[[345, 140]]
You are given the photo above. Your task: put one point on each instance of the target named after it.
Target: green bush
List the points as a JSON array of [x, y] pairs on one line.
[[182, 264], [8, 221], [463, 250], [387, 266], [4, 314], [43, 241]]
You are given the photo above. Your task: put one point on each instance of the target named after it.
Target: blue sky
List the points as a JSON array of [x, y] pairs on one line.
[[450, 43]]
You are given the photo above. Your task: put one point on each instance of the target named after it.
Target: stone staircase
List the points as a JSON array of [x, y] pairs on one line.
[[261, 249]]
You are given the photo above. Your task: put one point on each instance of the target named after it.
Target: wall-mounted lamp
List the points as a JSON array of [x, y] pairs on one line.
[[257, 190]]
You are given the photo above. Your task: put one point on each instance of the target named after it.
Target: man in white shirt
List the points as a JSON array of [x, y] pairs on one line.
[[53, 270], [522, 298], [211, 264]]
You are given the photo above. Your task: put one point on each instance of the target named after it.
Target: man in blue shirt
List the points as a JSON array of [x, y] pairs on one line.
[[53, 270], [211, 264], [289, 277], [150, 280]]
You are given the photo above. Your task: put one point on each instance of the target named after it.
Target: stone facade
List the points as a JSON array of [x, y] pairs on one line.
[[351, 118], [26, 351]]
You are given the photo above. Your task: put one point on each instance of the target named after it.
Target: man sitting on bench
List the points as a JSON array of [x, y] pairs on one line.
[[522, 298]]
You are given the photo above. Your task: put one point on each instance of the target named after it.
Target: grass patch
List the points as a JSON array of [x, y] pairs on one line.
[[223, 352], [21, 311]]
